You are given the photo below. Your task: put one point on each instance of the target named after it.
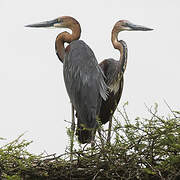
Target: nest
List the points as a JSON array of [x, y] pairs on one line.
[[146, 149]]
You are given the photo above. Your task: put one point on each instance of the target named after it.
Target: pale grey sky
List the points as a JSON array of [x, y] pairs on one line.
[[32, 92]]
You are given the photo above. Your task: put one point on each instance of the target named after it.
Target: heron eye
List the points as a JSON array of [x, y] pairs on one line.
[[60, 20], [125, 24]]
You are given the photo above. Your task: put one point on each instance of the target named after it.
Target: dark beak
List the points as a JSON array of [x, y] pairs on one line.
[[44, 24], [134, 27]]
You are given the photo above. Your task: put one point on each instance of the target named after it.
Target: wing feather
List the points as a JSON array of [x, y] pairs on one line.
[[84, 82]]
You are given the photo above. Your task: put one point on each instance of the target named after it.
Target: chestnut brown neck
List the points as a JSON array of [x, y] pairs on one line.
[[67, 37], [122, 47], [117, 45]]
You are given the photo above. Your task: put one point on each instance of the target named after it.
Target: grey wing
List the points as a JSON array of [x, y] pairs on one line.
[[114, 79], [84, 81], [111, 70]]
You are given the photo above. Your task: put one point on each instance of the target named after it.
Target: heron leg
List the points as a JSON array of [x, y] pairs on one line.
[[93, 138], [109, 132], [72, 133], [100, 137]]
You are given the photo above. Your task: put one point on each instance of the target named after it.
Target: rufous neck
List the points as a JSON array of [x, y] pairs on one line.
[[76, 32], [67, 37], [117, 45]]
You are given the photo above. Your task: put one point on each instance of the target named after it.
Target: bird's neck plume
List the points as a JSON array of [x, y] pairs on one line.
[[67, 37], [123, 59]]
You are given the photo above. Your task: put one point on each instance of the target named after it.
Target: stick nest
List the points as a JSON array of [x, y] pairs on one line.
[[146, 149]]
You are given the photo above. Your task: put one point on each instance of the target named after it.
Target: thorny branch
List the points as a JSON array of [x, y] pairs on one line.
[[147, 149]]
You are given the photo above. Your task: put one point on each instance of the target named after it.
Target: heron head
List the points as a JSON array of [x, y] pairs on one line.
[[61, 22], [124, 25]]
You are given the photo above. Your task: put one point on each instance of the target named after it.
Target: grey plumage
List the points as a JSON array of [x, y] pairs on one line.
[[85, 85], [114, 71]]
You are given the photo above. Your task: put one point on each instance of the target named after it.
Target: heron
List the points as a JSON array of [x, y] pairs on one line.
[[114, 71], [83, 77]]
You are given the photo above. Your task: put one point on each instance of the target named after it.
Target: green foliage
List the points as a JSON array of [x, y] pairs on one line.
[[154, 144], [141, 149], [14, 158]]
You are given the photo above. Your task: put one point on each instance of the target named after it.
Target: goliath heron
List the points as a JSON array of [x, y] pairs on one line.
[[83, 77], [114, 70]]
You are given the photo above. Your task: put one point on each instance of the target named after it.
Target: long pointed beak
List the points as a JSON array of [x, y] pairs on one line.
[[134, 27], [44, 24]]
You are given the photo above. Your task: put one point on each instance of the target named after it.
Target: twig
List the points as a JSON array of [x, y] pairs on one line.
[[170, 108], [96, 175]]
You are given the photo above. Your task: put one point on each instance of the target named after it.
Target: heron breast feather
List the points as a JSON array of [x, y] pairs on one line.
[[114, 86]]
